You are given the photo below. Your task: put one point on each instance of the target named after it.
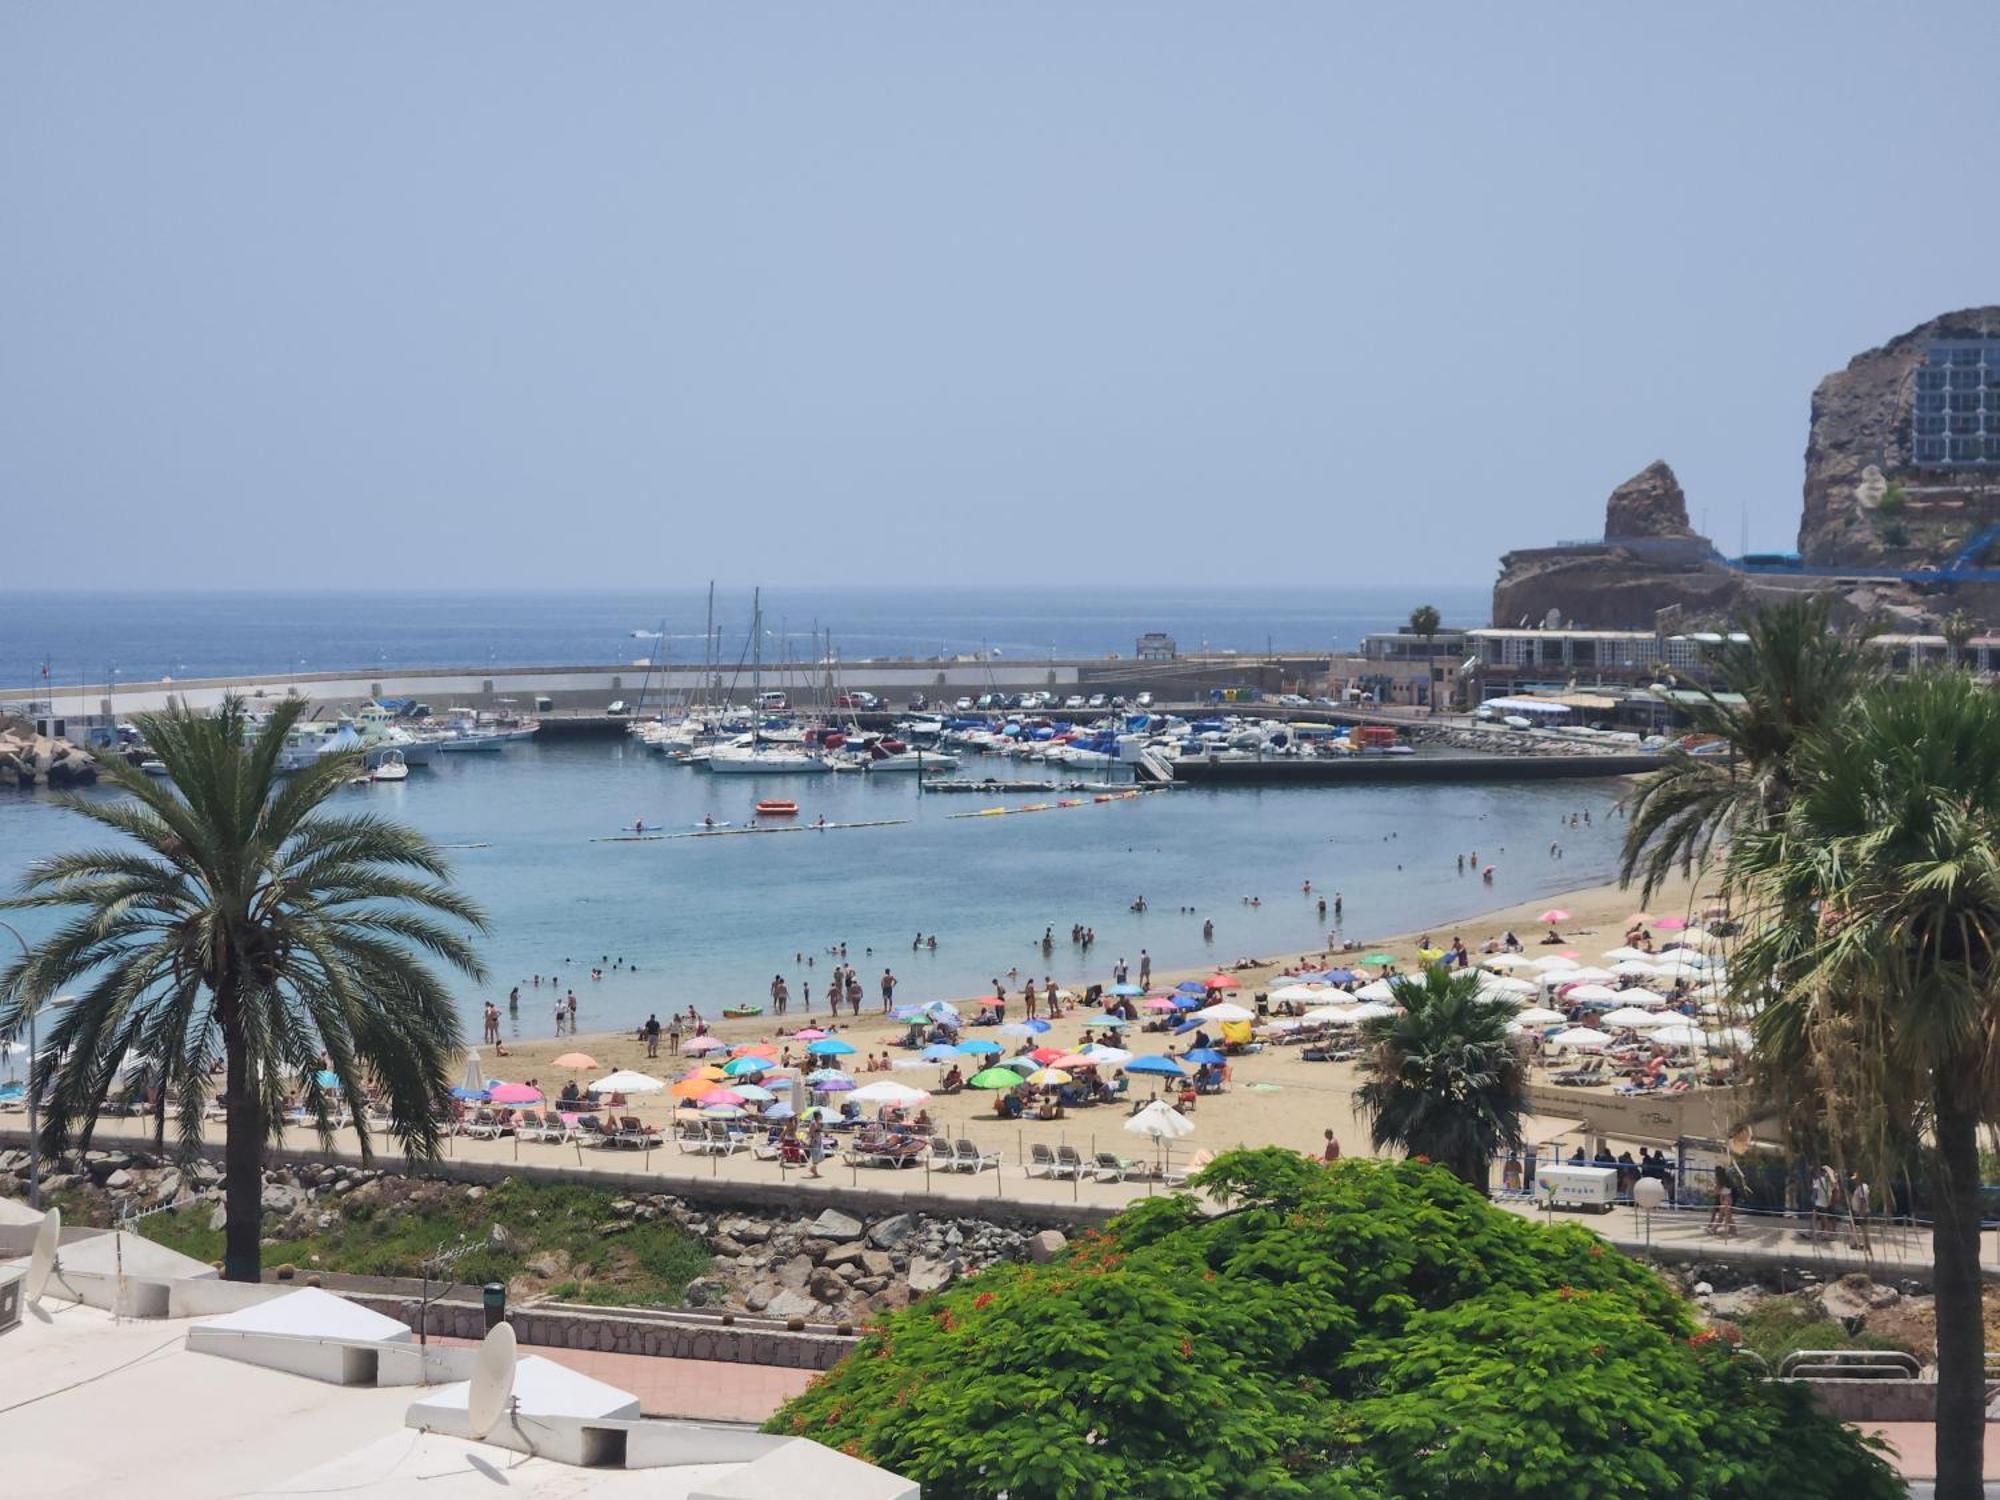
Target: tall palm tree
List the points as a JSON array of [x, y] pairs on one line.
[[1876, 912], [1444, 1078], [1790, 673], [239, 920], [1424, 623]]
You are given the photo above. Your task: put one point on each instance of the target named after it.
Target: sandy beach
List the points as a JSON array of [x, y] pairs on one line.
[[1274, 1097]]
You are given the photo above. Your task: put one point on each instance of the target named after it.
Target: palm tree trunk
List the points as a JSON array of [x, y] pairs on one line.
[[242, 1160], [1961, 1341]]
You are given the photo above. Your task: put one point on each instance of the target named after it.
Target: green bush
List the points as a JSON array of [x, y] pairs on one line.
[[1368, 1331], [1893, 501]]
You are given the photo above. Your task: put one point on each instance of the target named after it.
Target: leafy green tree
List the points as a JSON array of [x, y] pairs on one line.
[[1424, 622], [1444, 1079], [1360, 1332], [237, 920], [1875, 905], [1958, 629], [1790, 674]]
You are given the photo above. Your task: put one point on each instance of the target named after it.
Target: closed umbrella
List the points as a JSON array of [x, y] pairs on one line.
[[474, 1081]]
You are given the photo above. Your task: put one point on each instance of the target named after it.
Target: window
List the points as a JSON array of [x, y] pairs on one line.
[[1967, 450], [1930, 450], [1931, 378], [1930, 426], [1930, 401], [1963, 379]]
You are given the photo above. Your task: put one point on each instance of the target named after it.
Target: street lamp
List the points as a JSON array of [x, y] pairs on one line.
[[34, 1126]]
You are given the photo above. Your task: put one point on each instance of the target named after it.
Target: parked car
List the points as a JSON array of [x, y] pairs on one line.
[[618, 709], [1074, 700], [1144, 700], [1097, 700], [1293, 700], [964, 705]]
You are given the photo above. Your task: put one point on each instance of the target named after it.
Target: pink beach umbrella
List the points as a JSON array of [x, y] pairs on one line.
[[720, 1096], [1670, 924], [514, 1093], [695, 1046]]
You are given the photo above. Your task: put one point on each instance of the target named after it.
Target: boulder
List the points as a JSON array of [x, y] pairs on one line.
[[1852, 1298], [795, 1272], [846, 1255], [1046, 1246], [927, 1275], [892, 1233], [790, 1303], [877, 1265], [835, 1225], [1648, 504], [827, 1285], [119, 1181]]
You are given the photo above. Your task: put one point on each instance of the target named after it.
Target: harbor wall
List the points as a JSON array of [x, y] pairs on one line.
[[1370, 770]]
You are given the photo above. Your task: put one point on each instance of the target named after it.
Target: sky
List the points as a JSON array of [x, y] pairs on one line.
[[492, 294]]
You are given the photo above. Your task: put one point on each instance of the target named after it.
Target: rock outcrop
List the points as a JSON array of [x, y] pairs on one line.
[[1867, 504], [1650, 503]]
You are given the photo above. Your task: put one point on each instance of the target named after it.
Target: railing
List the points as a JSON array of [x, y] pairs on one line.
[[1850, 1364]]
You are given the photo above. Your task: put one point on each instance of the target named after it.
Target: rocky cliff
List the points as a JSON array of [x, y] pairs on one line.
[[1866, 502], [1650, 503]]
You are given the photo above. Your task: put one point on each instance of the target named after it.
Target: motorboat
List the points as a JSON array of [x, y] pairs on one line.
[[759, 760], [392, 767]]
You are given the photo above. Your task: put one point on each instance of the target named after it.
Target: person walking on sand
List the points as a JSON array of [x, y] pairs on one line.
[[815, 1147], [888, 991], [779, 995], [1145, 969], [674, 1034], [653, 1036]]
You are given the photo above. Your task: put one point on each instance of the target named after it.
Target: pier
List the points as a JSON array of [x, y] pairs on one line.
[[1375, 770]]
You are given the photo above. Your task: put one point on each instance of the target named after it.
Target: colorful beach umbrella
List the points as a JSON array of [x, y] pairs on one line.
[[719, 1095], [576, 1061], [831, 1046], [1204, 1055], [1125, 989], [1223, 982], [514, 1093], [1049, 1076], [754, 1049], [1553, 914], [695, 1046], [980, 1046], [809, 1034], [994, 1078], [1166, 1067], [1378, 960], [1191, 987], [741, 1067]]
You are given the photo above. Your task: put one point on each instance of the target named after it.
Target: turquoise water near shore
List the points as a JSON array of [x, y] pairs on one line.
[[709, 920]]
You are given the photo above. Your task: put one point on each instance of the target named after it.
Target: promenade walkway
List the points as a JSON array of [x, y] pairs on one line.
[[1677, 1235]]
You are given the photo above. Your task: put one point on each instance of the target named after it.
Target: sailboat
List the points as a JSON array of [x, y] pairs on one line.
[[759, 758]]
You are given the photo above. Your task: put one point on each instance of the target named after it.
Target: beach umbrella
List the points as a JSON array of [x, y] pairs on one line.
[[809, 1034], [464, 1093], [1166, 1067], [1588, 974], [724, 1111], [1626, 952], [625, 1081], [474, 1081], [1025, 1063], [1590, 994], [1374, 1010], [1299, 994], [1161, 1121], [1024, 1028], [1125, 989], [1049, 1076], [1332, 1015], [938, 1052], [1552, 962], [831, 1046], [1222, 982], [1187, 1002], [1340, 976], [1378, 960], [326, 1078], [907, 1013], [980, 1046], [754, 1049], [1503, 962], [994, 1078], [1580, 1038], [691, 1088], [1192, 987], [719, 1095], [1204, 1055], [1670, 924], [1513, 988], [889, 1092], [1631, 1018], [1225, 1012], [514, 1093], [1676, 1034], [1046, 1055], [1074, 1060], [741, 1067], [1159, 1003], [828, 1077], [944, 1013], [1106, 1057], [1376, 989], [754, 1094], [782, 1110], [1553, 914], [1699, 937], [577, 1060], [1728, 1039], [707, 1070], [1646, 998], [839, 1084], [1540, 1015], [904, 1064], [1633, 968], [696, 1045], [819, 1112]]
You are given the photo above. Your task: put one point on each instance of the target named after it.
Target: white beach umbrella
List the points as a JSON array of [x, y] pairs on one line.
[[1627, 954], [1728, 1039], [1332, 1015], [1630, 1017], [888, 1092], [1372, 1010], [1642, 997], [1377, 990], [625, 1081], [1161, 1121], [1302, 994], [1225, 1011], [1107, 1057], [1676, 1034], [1540, 1015], [1590, 994], [1698, 937], [1580, 1039], [1589, 974], [1554, 961], [1502, 963], [1634, 968], [1515, 989]]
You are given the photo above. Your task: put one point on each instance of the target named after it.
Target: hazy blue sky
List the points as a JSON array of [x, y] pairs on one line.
[[491, 293]]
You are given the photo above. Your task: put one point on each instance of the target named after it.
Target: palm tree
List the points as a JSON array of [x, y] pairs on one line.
[[1788, 674], [1876, 901], [1445, 1080], [239, 920], [1424, 623], [1958, 630]]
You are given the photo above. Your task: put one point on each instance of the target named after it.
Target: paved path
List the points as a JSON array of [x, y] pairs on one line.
[[1672, 1234]]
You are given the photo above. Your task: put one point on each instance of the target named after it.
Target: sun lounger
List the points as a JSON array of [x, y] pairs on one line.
[[970, 1158], [692, 1137], [1040, 1159], [1112, 1167], [483, 1126], [632, 1133], [1069, 1162], [942, 1156], [590, 1131]]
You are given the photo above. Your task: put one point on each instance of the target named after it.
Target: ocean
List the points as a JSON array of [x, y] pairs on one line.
[[709, 921], [146, 636]]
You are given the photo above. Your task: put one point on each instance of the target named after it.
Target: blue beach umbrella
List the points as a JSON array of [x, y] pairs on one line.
[[1126, 989], [939, 1052], [1166, 1067], [1112, 1022], [737, 1067], [829, 1077], [1192, 987], [831, 1046], [1340, 976], [1187, 1026], [1188, 1002], [326, 1078], [782, 1110], [980, 1046], [1204, 1055], [468, 1094]]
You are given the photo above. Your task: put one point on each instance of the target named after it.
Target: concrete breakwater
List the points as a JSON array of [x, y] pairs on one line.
[[1366, 770]]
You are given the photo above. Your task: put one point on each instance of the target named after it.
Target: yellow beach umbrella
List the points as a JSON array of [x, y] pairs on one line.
[[1049, 1075]]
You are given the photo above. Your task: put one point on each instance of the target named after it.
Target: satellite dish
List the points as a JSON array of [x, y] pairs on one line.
[[42, 1260], [492, 1389]]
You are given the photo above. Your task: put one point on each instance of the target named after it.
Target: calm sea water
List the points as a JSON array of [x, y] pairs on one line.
[[95, 637], [709, 920]]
